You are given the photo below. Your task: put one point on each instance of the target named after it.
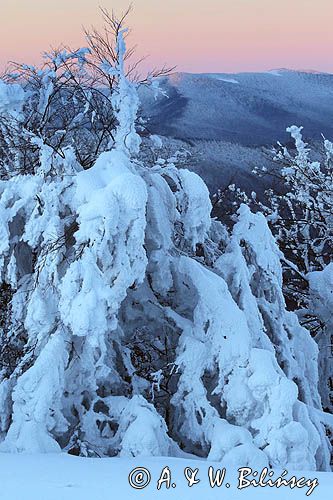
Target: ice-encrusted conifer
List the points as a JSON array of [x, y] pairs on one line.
[[81, 234]]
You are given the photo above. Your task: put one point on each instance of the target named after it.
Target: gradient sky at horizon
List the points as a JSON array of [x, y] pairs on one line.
[[194, 35]]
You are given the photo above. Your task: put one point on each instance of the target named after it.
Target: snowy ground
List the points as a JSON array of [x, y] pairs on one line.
[[62, 477]]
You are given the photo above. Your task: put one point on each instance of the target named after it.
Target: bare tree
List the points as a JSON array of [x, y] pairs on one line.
[[69, 100]]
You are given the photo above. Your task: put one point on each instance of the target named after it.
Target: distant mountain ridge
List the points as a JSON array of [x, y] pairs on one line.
[[243, 112], [248, 108]]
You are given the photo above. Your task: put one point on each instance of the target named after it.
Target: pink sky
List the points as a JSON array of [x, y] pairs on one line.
[[195, 35]]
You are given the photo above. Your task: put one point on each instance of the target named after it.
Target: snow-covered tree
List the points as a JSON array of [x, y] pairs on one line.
[[321, 306], [300, 214], [299, 209], [305, 216], [137, 325], [304, 219]]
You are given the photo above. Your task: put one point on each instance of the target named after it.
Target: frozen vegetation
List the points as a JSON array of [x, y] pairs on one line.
[[133, 324]]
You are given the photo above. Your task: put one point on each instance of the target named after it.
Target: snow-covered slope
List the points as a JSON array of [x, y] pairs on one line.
[[238, 114], [64, 477], [247, 108]]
